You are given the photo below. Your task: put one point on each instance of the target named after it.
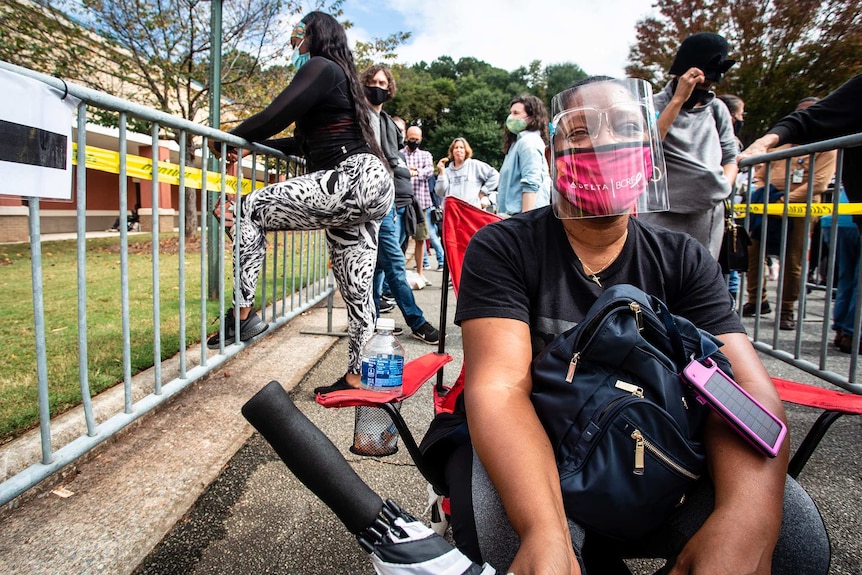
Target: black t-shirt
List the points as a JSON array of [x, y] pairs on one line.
[[523, 268], [319, 101]]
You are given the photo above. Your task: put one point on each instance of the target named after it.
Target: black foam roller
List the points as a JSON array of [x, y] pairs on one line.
[[312, 457]]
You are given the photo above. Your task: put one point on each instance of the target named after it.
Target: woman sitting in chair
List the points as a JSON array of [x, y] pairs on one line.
[[529, 278]]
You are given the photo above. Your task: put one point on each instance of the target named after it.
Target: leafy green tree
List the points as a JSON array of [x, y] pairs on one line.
[[558, 77], [422, 99], [470, 98], [786, 49], [443, 67], [532, 78], [477, 116]]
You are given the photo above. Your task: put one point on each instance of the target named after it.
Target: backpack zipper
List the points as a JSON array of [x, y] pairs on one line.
[[630, 388], [636, 309], [641, 443], [576, 356], [573, 365]]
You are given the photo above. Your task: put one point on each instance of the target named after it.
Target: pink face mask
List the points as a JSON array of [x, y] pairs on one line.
[[604, 181]]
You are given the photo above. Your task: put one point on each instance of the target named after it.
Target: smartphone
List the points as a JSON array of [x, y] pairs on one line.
[[754, 422]]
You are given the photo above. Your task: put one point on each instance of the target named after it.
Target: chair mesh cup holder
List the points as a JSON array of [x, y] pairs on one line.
[[374, 432]]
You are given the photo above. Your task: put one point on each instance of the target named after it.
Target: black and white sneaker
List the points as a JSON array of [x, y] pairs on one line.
[[387, 302], [398, 331], [427, 334], [248, 328]]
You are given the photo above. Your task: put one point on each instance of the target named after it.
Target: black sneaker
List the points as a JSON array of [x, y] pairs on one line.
[[426, 333], [398, 331], [386, 307], [340, 385], [248, 328]]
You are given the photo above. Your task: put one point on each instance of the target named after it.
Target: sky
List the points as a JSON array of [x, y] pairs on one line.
[[594, 34]]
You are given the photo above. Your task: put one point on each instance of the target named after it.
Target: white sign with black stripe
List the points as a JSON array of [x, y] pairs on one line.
[[35, 138]]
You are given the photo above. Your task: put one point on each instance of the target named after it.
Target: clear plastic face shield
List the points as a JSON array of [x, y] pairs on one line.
[[607, 155]]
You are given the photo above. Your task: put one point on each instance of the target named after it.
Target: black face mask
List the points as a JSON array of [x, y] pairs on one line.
[[737, 127], [376, 95], [697, 96], [412, 144]]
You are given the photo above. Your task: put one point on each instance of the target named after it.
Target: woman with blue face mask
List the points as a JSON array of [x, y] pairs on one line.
[[524, 179], [347, 191]]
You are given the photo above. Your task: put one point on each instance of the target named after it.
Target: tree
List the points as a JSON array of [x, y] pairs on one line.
[[533, 78], [157, 52], [378, 49], [786, 49], [37, 36], [559, 77], [477, 116], [449, 99], [421, 99], [470, 98], [169, 44]]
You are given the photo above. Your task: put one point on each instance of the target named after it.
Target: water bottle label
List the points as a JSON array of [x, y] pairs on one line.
[[383, 371], [369, 372]]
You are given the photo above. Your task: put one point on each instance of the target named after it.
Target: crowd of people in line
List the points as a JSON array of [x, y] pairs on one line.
[[569, 186]]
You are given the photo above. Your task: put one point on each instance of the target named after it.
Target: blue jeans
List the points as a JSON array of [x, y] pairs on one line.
[[847, 259], [435, 241], [399, 226], [390, 264], [402, 239], [733, 282]]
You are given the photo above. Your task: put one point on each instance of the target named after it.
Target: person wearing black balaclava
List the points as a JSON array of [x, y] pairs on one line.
[[699, 144]]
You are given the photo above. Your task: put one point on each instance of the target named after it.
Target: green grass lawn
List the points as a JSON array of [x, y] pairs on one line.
[[19, 410]]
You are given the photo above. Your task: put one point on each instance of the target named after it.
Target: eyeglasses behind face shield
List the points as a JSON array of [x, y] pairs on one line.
[[607, 157], [581, 127]]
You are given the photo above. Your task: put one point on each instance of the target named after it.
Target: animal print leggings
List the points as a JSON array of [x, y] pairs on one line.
[[349, 201]]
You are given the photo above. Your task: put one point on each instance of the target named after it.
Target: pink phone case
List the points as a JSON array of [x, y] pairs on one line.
[[745, 414]]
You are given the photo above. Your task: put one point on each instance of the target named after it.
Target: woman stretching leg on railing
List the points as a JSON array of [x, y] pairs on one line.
[[347, 192]]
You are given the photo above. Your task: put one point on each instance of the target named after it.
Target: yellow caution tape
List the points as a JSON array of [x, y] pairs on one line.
[[140, 167], [799, 210]]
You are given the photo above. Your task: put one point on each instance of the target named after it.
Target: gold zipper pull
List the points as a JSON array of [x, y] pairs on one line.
[[636, 309], [639, 452], [573, 365], [629, 387]]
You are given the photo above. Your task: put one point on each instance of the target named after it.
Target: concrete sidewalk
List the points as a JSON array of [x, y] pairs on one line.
[[122, 500], [192, 490]]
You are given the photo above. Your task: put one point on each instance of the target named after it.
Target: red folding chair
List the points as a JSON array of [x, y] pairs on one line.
[[833, 403], [416, 373], [460, 222]]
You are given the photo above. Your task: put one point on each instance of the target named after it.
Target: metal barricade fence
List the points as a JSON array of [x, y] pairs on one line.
[[295, 278], [809, 346]]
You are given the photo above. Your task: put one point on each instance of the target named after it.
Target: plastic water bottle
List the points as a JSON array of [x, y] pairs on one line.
[[382, 370], [383, 359]]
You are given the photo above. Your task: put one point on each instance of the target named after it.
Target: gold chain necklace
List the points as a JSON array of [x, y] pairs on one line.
[[594, 274]]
